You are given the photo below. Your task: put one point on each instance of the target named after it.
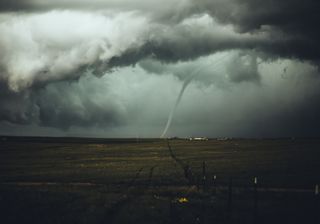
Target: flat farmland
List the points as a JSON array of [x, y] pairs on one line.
[[82, 180]]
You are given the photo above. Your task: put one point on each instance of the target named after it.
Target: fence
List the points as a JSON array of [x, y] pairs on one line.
[[208, 188]]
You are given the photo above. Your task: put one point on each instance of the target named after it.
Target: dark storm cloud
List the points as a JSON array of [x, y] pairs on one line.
[[77, 107], [46, 106], [135, 101], [35, 54], [47, 47], [234, 24], [292, 18], [14, 5], [250, 15], [277, 28], [290, 24], [243, 68], [15, 107], [156, 8]]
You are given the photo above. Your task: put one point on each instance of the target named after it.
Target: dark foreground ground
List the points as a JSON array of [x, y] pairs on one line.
[[69, 180]]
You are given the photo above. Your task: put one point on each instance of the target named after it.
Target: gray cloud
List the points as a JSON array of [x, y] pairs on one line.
[[54, 48], [47, 107], [35, 53], [47, 47], [288, 19], [132, 102], [243, 67], [107, 102]]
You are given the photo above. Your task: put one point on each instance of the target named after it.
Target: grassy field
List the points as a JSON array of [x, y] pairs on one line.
[[72, 180]]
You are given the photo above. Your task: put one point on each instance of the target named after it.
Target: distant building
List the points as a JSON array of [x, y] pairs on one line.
[[198, 139], [224, 139]]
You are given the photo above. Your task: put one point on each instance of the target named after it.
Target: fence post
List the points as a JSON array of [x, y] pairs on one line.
[[214, 184], [317, 202], [230, 194], [173, 212], [255, 203], [229, 203], [204, 176], [198, 182], [203, 212]]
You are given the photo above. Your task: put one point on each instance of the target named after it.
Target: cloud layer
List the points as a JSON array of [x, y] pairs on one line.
[[59, 62]]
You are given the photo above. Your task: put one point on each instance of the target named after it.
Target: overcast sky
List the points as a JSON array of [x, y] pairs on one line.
[[122, 68]]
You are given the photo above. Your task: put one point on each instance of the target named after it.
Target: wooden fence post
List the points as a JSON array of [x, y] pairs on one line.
[[230, 194], [214, 184], [173, 212], [204, 176], [255, 203], [198, 182], [229, 207], [317, 202]]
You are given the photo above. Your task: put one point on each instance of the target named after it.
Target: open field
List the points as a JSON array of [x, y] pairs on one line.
[[72, 180]]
